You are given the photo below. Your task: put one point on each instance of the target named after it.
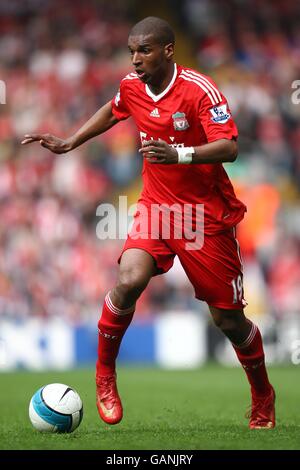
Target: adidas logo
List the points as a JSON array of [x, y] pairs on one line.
[[155, 113], [106, 335]]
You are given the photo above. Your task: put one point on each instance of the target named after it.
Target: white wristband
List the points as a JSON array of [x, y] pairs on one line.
[[185, 154]]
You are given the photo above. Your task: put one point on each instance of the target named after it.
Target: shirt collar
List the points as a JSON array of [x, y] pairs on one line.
[[163, 93]]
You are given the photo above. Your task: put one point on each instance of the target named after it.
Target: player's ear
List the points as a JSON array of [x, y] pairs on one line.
[[169, 50]]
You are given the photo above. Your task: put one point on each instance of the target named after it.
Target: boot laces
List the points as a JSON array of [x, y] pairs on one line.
[[258, 404], [107, 391]]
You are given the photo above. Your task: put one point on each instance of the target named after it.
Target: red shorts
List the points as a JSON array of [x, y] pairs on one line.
[[215, 270]]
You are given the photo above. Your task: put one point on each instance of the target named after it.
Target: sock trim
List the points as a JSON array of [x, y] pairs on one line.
[[116, 310], [250, 338]]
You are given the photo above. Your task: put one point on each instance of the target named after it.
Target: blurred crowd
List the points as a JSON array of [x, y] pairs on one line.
[[252, 49], [61, 60]]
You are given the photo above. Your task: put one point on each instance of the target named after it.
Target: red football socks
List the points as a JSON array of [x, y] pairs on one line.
[[251, 355], [112, 326]]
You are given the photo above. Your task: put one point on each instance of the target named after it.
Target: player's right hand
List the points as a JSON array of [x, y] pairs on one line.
[[50, 142]]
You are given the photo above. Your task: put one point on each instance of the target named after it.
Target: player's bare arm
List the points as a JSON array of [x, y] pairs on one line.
[[100, 122], [219, 151]]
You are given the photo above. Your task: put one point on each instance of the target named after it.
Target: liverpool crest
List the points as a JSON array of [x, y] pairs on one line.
[[180, 121]]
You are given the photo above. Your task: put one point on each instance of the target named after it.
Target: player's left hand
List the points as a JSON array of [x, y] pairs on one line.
[[158, 151]]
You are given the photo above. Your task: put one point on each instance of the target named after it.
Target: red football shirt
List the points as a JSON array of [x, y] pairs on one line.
[[191, 111]]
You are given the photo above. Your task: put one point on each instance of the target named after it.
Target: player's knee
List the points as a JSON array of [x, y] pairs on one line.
[[132, 282], [226, 323], [227, 319], [228, 327]]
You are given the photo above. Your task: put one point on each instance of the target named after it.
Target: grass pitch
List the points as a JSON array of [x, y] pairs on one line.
[[201, 409]]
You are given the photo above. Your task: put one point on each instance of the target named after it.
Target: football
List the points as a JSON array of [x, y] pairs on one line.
[[56, 408]]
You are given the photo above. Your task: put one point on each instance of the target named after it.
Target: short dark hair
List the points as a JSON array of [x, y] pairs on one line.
[[160, 29]]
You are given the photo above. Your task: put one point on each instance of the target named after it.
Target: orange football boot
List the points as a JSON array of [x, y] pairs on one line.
[[108, 401], [262, 414]]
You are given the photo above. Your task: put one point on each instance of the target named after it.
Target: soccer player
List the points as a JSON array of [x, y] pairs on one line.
[[187, 132]]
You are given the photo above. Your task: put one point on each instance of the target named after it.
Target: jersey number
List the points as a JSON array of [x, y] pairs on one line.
[[237, 285]]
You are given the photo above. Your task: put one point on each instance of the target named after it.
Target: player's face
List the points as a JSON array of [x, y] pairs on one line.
[[149, 58]]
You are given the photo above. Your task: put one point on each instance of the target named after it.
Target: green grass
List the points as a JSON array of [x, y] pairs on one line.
[[202, 409]]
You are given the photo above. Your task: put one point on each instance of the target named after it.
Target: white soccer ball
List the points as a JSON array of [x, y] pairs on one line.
[[55, 408]]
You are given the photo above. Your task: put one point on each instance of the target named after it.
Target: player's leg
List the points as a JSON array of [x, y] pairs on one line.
[[247, 343], [136, 269], [216, 274]]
